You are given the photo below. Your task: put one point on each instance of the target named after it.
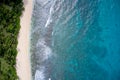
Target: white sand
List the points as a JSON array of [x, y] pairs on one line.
[[23, 65]]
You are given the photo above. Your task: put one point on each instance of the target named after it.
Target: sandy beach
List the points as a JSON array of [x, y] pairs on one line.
[[23, 58]]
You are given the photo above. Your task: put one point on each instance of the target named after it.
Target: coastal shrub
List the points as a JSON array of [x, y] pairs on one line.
[[10, 12]]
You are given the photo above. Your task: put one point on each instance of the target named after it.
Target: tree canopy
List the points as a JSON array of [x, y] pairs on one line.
[[10, 12]]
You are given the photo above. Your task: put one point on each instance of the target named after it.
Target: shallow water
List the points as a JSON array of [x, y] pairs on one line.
[[75, 40]]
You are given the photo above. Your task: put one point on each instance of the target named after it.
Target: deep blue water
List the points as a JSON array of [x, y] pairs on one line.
[[75, 40]]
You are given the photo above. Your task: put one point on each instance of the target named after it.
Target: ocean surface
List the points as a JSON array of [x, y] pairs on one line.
[[75, 40]]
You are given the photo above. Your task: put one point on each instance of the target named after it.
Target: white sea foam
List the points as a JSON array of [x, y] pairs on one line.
[[43, 2], [50, 14], [74, 4], [48, 21], [46, 52], [39, 75], [46, 2], [49, 79], [49, 18]]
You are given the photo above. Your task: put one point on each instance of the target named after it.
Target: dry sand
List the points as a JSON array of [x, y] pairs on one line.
[[23, 65]]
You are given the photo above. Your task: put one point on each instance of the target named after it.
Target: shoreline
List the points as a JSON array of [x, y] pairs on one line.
[[23, 64]]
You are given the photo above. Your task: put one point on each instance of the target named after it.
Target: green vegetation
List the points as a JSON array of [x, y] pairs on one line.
[[10, 12]]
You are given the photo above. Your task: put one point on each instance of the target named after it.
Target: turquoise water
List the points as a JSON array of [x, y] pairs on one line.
[[76, 40]]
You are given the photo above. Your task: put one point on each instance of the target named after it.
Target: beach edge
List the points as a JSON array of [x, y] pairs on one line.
[[23, 64]]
